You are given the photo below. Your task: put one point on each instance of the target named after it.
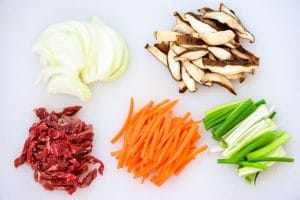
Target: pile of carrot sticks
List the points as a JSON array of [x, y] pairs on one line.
[[157, 144]]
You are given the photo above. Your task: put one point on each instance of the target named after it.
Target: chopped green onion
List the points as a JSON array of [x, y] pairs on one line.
[[273, 115], [231, 121], [260, 102], [277, 159], [226, 161], [245, 114], [221, 107], [270, 147], [253, 164], [244, 171], [259, 142], [223, 144], [260, 113], [218, 114], [246, 135], [252, 133], [214, 119], [251, 178]]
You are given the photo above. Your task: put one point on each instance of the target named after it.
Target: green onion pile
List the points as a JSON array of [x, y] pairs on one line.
[[247, 136]]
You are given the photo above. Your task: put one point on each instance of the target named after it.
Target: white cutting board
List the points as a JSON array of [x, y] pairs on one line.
[[276, 26]]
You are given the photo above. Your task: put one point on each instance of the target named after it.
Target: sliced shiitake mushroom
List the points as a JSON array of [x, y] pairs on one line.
[[232, 22], [229, 67], [205, 49], [199, 63], [191, 54], [207, 78], [223, 63], [241, 77], [182, 26], [212, 57], [217, 26], [182, 86], [178, 49], [221, 53], [205, 10], [228, 11], [164, 47], [163, 59], [193, 46], [195, 72], [188, 40], [157, 54], [208, 84], [221, 80], [174, 66], [188, 81], [217, 38], [165, 36], [214, 24], [198, 25], [242, 53]]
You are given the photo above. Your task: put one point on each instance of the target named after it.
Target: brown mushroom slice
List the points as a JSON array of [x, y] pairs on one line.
[[164, 47], [157, 54], [221, 53], [191, 54], [160, 56], [220, 27], [188, 81], [239, 54], [182, 26], [232, 44], [241, 77], [217, 38], [193, 46], [242, 53], [228, 11], [195, 72], [232, 22], [212, 57], [221, 80], [174, 66], [165, 36], [199, 25], [229, 67], [178, 49], [199, 63], [214, 24], [189, 40], [208, 84], [205, 10], [182, 86]]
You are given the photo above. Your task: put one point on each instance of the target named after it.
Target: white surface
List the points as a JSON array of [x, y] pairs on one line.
[[276, 26]]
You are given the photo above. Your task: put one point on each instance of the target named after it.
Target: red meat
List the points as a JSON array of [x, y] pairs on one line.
[[57, 150]]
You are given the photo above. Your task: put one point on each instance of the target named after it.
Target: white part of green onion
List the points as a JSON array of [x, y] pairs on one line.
[[250, 135], [260, 113]]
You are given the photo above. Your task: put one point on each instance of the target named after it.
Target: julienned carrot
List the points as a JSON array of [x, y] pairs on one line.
[[117, 137], [156, 144]]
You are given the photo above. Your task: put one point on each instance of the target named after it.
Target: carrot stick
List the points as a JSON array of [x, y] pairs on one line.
[[197, 151], [157, 120], [121, 132], [184, 143], [116, 153]]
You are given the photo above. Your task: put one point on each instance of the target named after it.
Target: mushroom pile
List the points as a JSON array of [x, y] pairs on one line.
[[205, 48]]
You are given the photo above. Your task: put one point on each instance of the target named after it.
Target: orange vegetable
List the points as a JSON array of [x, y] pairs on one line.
[[156, 144]]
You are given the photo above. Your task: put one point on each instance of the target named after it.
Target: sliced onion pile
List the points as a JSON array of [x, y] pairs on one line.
[[76, 53]]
